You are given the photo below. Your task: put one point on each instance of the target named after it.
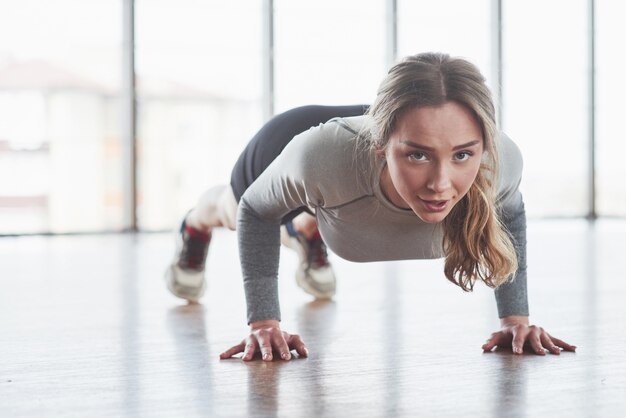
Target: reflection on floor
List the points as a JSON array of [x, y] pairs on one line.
[[88, 329]]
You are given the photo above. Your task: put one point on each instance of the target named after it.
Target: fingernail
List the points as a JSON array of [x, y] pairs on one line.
[[285, 356], [306, 352], [266, 356], [517, 350]]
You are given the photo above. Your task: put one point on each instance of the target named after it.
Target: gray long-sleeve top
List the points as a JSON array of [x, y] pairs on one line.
[[327, 170]]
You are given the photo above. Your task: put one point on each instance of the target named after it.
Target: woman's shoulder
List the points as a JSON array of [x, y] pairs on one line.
[[351, 125], [510, 167], [510, 156], [336, 130], [333, 141], [329, 157]]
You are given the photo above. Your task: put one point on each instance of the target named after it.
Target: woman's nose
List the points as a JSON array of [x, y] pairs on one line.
[[439, 180]]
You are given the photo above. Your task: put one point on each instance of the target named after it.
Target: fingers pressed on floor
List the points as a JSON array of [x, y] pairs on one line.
[[250, 349], [533, 338], [547, 342], [563, 344], [266, 352], [279, 343], [295, 342], [519, 338], [232, 351]]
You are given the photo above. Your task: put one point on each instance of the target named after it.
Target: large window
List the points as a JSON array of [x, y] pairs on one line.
[[610, 107], [60, 159], [199, 99], [457, 27], [328, 52], [202, 90], [545, 103]]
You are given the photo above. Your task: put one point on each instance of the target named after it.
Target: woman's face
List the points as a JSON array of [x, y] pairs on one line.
[[433, 157]]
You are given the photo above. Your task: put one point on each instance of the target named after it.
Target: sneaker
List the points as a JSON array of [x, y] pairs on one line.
[[185, 274], [315, 274]]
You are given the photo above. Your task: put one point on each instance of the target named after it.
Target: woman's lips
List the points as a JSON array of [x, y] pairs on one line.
[[435, 205]]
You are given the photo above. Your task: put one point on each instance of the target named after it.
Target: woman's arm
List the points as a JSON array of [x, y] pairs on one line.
[[293, 180], [259, 252], [512, 300], [512, 297]]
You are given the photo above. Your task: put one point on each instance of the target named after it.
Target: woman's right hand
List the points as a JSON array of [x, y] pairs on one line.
[[267, 337]]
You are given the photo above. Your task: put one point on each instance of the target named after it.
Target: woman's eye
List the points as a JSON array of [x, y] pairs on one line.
[[462, 156], [417, 156]]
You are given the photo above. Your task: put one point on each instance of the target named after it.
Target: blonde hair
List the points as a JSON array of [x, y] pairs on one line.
[[475, 243]]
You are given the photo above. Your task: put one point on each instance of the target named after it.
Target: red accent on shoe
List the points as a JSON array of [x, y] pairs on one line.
[[193, 232], [317, 251]]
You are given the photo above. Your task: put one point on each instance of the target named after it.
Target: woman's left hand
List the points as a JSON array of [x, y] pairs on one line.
[[517, 334]]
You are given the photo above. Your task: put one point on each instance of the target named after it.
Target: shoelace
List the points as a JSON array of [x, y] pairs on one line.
[[193, 253], [318, 255]]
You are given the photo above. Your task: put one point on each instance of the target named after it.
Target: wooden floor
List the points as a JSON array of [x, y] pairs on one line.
[[87, 329]]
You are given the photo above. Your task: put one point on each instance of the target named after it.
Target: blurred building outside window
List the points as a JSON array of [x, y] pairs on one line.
[[199, 96], [59, 116]]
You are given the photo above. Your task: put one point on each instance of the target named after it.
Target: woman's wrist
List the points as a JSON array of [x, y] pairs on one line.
[[514, 320], [265, 323]]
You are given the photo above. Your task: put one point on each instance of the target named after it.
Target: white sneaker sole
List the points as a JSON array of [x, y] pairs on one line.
[[323, 287], [190, 293], [194, 284], [311, 286]]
